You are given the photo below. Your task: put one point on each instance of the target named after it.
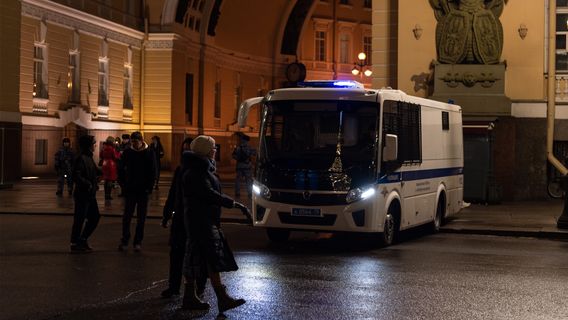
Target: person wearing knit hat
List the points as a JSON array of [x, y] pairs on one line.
[[203, 145], [207, 252]]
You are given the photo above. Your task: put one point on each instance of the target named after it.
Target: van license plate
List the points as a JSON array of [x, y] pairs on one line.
[[305, 212]]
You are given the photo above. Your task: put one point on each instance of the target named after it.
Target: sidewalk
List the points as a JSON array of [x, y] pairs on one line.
[[524, 219]]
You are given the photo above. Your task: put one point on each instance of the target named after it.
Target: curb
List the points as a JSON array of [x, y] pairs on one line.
[[510, 233]]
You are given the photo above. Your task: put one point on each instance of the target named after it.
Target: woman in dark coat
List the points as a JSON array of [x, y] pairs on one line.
[[207, 248], [173, 210]]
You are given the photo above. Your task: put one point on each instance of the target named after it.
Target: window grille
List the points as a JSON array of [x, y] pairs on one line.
[[445, 120], [403, 119]]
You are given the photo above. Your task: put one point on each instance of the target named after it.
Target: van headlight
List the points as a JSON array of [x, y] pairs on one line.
[[360, 194], [261, 190]]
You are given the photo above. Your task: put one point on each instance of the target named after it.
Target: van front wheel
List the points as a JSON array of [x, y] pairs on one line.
[[278, 235], [388, 235]]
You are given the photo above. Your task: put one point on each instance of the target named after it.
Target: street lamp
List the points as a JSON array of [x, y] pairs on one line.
[[359, 66]]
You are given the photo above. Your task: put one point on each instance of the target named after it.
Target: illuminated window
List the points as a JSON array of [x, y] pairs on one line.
[[103, 82], [40, 71], [320, 45], [127, 99], [73, 78]]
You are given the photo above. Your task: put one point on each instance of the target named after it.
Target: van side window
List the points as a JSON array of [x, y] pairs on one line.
[[403, 119], [445, 120]]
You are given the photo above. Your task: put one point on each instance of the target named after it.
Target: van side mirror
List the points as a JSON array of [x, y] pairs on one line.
[[244, 109], [390, 149]]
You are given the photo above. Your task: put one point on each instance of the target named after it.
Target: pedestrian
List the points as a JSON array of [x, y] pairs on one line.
[[137, 177], [173, 210], [124, 144], [117, 143], [109, 157], [63, 166], [243, 153], [207, 249], [158, 153], [86, 175]]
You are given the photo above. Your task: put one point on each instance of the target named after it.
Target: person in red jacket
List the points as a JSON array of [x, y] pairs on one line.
[[109, 157]]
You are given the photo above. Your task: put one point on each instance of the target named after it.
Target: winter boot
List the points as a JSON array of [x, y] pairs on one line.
[[200, 287], [224, 301], [191, 301]]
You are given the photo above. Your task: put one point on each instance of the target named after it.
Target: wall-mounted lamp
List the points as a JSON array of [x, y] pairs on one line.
[[417, 31], [359, 66], [523, 30]]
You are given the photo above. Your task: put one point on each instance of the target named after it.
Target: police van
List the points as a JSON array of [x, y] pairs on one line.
[[334, 156]]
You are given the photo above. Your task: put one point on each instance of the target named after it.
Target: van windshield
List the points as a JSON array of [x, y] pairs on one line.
[[320, 136]]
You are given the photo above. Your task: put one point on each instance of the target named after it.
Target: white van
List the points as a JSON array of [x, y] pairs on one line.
[[334, 156]]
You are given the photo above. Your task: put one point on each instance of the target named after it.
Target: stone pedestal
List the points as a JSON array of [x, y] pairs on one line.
[[478, 89]]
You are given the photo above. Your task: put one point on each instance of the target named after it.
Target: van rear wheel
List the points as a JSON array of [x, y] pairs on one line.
[[277, 235], [439, 217]]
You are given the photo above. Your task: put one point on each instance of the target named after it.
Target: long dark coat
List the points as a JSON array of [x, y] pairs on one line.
[[206, 244], [85, 175]]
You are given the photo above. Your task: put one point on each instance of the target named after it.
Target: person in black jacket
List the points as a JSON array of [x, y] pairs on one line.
[[86, 175], [137, 176], [173, 210], [207, 248]]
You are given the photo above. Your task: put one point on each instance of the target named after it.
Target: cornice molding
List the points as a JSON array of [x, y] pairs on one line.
[[79, 20], [161, 41]]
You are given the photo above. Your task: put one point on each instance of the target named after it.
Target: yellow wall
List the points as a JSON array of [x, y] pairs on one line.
[[384, 44], [28, 32], [524, 58], [157, 87], [90, 52], [415, 56], [9, 55]]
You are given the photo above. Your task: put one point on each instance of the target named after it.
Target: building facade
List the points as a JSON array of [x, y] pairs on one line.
[[170, 68], [177, 68], [505, 147]]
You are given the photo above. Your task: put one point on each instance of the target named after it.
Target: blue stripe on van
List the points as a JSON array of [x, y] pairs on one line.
[[420, 174]]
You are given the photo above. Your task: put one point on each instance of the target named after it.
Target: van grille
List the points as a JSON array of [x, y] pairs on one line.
[[314, 199]]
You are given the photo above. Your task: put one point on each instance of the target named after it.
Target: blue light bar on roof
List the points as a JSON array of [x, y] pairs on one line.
[[331, 84]]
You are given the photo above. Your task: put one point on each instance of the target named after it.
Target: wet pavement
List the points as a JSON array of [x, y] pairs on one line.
[[313, 276]]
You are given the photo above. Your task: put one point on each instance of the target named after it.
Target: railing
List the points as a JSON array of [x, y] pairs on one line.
[[562, 88]]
